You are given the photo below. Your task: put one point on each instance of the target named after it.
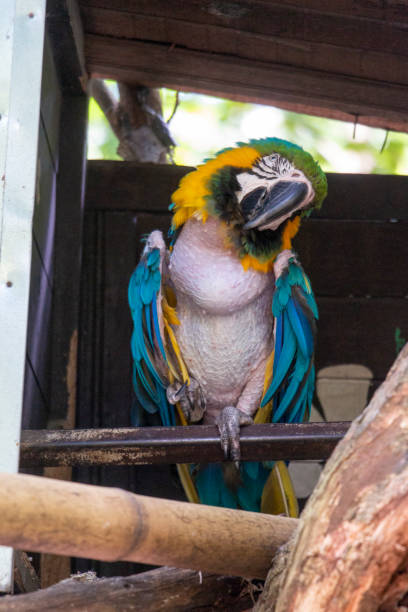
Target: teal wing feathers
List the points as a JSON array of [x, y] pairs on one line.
[[295, 312], [147, 343]]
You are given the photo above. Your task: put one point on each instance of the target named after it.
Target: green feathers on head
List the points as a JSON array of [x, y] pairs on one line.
[[224, 180]]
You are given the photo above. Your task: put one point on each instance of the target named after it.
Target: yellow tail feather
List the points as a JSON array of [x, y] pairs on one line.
[[278, 496], [187, 482]]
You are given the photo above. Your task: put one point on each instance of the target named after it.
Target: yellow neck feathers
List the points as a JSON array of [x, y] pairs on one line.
[[190, 198]]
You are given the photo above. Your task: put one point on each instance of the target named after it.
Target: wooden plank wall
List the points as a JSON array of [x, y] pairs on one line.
[[344, 60], [355, 251], [37, 379]]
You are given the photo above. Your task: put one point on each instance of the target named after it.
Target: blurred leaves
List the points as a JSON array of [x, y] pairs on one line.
[[203, 125]]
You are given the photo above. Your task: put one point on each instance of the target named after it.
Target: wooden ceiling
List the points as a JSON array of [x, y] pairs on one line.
[[345, 59]]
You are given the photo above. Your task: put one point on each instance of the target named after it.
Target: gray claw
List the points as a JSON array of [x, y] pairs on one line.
[[189, 397], [229, 422]]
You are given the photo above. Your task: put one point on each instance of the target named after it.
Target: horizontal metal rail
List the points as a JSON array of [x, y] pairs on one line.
[[193, 444]]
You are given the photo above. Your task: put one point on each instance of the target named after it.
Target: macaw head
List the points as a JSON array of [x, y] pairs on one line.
[[260, 191], [271, 192]]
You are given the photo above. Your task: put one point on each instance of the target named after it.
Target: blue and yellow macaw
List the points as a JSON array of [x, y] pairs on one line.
[[224, 321]]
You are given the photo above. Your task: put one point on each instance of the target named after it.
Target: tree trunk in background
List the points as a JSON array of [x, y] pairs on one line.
[[136, 119], [350, 551]]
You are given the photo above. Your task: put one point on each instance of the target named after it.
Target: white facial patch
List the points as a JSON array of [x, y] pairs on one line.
[[265, 173], [273, 166]]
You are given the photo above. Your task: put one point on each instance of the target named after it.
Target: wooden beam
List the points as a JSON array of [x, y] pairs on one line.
[[120, 185], [368, 101], [65, 31], [342, 45], [67, 256], [166, 589], [393, 11], [45, 515], [197, 443], [353, 22]]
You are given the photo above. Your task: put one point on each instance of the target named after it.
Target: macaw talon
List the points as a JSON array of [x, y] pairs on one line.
[[229, 422], [180, 392], [190, 398]]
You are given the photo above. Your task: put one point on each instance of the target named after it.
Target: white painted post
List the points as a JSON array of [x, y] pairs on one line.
[[21, 52]]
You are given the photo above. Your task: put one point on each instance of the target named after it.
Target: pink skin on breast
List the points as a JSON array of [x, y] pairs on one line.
[[226, 324]]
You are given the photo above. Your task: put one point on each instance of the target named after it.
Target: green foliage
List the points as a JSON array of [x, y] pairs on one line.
[[102, 142], [203, 125]]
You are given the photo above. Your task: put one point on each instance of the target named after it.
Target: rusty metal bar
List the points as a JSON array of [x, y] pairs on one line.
[[149, 445]]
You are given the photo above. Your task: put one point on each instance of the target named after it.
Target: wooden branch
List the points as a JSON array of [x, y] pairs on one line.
[[24, 573], [136, 119], [355, 556], [164, 589], [45, 515]]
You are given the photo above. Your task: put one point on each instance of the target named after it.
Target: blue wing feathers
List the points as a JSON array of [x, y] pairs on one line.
[[150, 389], [295, 310]]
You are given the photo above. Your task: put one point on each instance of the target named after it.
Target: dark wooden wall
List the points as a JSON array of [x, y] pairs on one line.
[[355, 251], [57, 222], [37, 379]]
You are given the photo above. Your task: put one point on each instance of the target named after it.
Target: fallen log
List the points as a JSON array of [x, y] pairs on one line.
[[161, 590], [78, 520], [350, 551]]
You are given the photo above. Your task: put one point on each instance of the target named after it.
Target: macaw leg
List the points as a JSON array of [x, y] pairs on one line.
[[231, 418], [190, 397], [229, 422]]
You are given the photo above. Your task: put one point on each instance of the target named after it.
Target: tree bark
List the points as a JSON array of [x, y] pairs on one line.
[[160, 590], [136, 119], [350, 551]]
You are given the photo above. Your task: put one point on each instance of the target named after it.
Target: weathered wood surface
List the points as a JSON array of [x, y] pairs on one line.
[[200, 443], [36, 384], [323, 59], [161, 590], [290, 23], [67, 258], [118, 186], [45, 515], [355, 556], [156, 65], [25, 575], [64, 28]]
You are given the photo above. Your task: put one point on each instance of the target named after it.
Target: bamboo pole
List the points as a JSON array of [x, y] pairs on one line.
[[66, 518]]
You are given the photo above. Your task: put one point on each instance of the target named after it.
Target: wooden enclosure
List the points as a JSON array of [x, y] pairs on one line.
[[345, 60], [364, 219]]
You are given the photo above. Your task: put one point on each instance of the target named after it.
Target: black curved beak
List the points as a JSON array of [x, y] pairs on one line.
[[282, 199]]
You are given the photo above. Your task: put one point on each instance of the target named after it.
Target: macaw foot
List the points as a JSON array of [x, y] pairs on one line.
[[190, 399], [229, 422]]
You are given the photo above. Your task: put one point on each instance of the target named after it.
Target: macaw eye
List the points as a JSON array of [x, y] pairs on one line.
[[251, 202]]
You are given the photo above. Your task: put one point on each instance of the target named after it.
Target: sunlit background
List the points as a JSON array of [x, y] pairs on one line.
[[202, 125]]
